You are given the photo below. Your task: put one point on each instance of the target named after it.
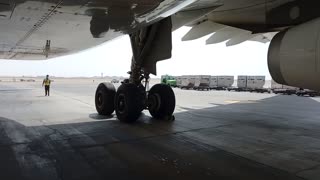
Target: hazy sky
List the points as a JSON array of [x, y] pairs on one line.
[[188, 58]]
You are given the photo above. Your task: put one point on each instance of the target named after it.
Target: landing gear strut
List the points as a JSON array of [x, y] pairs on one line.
[[149, 45]]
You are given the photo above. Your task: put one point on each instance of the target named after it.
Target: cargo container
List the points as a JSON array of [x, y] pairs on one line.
[[179, 81], [187, 82], [256, 82], [251, 82], [202, 82], [225, 81], [242, 82], [213, 82]]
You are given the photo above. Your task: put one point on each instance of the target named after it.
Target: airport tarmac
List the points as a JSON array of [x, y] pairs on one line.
[[216, 135]]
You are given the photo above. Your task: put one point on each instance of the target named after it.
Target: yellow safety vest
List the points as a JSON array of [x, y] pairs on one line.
[[46, 82]]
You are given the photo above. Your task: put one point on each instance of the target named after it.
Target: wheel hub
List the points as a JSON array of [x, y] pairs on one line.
[[154, 102], [100, 101], [121, 104]]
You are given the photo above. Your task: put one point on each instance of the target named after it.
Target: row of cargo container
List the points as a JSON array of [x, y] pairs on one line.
[[250, 83], [204, 82], [219, 82], [244, 83]]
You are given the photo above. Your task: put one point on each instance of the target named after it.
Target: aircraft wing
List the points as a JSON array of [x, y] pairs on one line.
[[197, 16], [222, 33]]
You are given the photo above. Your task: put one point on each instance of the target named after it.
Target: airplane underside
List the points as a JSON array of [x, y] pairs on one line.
[[41, 30], [37, 30]]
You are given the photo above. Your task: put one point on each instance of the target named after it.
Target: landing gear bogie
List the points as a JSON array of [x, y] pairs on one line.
[[149, 44]]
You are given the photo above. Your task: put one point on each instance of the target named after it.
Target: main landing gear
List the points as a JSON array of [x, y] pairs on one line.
[[149, 45]]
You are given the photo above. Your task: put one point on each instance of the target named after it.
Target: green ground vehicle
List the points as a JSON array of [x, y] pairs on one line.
[[169, 80]]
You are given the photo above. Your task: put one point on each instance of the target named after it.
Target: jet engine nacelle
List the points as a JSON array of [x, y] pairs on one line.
[[294, 56]]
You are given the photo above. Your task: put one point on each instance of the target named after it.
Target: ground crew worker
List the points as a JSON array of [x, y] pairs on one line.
[[46, 83]]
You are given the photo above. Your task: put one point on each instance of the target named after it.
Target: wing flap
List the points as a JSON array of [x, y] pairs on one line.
[[201, 30], [224, 35], [232, 36], [240, 38], [264, 38]]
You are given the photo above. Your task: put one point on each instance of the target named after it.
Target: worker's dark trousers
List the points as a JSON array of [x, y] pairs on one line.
[[47, 90]]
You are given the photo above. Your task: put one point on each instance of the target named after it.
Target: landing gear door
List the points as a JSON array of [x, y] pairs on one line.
[[161, 46]]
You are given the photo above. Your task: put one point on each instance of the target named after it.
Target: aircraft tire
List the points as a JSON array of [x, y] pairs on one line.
[[104, 98], [129, 102], [162, 101]]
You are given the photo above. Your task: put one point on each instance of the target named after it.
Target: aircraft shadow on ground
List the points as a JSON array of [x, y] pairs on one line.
[[54, 143]]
